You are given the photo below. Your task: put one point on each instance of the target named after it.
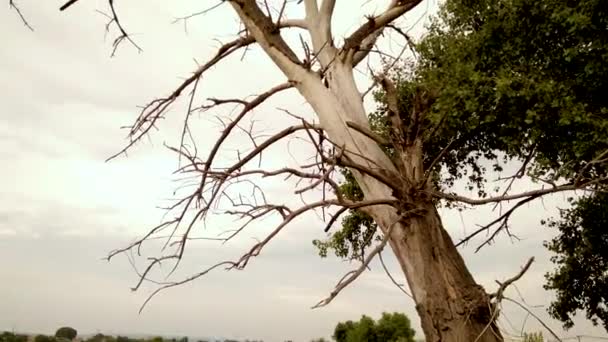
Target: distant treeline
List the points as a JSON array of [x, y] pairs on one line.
[[14, 337], [11, 337]]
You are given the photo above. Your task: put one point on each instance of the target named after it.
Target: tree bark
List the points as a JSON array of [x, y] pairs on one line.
[[451, 305]]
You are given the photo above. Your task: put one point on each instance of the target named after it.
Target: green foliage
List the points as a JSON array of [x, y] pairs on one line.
[[342, 329], [581, 275], [66, 332], [533, 337], [392, 327], [128, 339], [358, 229], [44, 338], [11, 337], [96, 338], [519, 77]]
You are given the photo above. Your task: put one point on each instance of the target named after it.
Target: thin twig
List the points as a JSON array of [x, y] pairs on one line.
[[390, 276], [11, 4], [535, 316]]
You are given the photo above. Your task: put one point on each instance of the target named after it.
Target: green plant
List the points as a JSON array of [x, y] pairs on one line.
[[533, 337], [66, 332], [391, 327], [580, 278]]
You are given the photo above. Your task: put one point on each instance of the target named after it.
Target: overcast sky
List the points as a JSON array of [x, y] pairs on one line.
[[62, 208]]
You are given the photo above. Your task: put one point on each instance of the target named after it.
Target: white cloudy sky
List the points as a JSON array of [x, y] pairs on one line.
[[62, 208]]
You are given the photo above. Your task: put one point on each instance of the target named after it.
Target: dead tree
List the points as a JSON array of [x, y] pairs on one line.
[[398, 195]]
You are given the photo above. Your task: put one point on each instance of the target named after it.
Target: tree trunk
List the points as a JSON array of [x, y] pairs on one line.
[[451, 305]]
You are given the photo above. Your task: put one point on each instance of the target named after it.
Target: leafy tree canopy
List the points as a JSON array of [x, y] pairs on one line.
[[391, 327], [520, 77]]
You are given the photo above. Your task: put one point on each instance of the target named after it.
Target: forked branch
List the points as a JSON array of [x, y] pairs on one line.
[[373, 25], [113, 19], [498, 296], [502, 286]]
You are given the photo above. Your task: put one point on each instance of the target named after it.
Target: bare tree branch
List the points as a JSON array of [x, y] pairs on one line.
[[367, 132], [535, 316], [322, 35], [155, 109], [390, 276], [395, 10], [366, 46], [502, 286], [267, 35], [498, 296], [202, 12], [242, 262], [11, 4], [519, 174], [579, 183], [113, 19], [319, 27], [502, 222], [311, 7], [376, 78], [536, 193], [67, 5], [408, 39], [215, 182], [354, 274]]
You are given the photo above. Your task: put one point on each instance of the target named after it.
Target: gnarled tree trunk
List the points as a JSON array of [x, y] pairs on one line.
[[451, 305]]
